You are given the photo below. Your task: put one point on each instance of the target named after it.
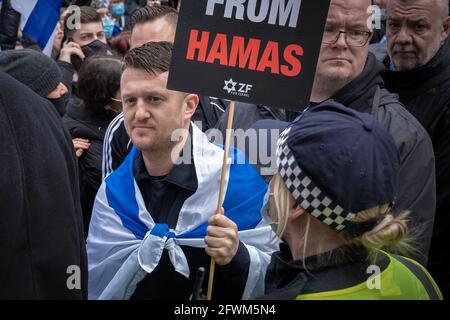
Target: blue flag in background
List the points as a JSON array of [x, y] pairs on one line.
[[38, 20]]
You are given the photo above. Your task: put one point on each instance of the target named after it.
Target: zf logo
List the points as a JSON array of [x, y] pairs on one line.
[[237, 89]]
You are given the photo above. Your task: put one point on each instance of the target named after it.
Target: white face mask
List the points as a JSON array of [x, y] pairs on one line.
[[265, 212]]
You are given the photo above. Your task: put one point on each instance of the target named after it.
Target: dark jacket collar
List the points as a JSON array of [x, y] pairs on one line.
[[182, 175], [397, 81], [286, 278], [359, 93]]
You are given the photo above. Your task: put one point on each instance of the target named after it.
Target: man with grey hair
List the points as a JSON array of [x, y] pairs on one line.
[[419, 71], [349, 74]]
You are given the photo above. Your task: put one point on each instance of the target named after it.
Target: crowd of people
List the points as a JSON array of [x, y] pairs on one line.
[[96, 204]]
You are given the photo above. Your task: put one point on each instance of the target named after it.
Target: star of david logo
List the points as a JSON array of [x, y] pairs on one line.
[[230, 86]]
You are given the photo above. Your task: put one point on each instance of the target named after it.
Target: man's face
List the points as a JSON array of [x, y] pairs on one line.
[[151, 111], [154, 31], [340, 63], [415, 31], [88, 33]]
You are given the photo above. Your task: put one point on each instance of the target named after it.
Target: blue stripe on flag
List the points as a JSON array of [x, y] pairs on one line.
[[42, 22], [243, 199], [162, 230], [121, 196], [242, 204], [245, 194]]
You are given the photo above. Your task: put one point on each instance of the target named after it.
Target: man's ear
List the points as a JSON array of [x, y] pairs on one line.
[[191, 103], [296, 212], [446, 29]]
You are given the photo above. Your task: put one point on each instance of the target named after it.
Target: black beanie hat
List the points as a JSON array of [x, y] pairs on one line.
[[32, 68]]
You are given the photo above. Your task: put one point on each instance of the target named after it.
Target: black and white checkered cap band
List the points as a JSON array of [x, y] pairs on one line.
[[305, 192]]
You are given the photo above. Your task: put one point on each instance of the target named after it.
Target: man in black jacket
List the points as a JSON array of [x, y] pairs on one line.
[[347, 73], [43, 254], [419, 71]]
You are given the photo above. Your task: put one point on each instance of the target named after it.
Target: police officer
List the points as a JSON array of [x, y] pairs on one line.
[[330, 202]]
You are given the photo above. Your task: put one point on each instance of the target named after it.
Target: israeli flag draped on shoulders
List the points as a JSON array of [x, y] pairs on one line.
[[38, 20], [124, 243]]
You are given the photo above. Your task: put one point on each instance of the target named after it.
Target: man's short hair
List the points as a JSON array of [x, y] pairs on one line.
[[152, 57], [444, 5], [87, 15], [152, 13]]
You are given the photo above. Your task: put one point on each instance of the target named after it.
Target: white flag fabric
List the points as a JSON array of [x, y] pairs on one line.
[[125, 244], [39, 19]]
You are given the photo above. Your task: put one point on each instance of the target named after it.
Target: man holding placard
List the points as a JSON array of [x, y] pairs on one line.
[[153, 217]]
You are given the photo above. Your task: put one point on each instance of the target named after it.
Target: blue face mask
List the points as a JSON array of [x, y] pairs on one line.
[[265, 212], [108, 27], [118, 9], [383, 16]]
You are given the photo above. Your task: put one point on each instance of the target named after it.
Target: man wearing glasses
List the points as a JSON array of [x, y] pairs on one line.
[[347, 73]]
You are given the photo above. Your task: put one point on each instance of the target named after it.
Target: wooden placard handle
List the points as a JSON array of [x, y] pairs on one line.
[[222, 187]]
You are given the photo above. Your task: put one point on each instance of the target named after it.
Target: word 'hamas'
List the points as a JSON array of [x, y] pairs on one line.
[[245, 54]]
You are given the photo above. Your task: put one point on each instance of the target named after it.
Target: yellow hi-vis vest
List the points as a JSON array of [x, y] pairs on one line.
[[403, 279]]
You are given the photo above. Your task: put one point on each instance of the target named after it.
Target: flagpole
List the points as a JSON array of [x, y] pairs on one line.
[[222, 187]]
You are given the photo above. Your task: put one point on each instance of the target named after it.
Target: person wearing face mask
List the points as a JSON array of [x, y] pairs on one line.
[[79, 43], [87, 120], [331, 201], [347, 73], [37, 71], [118, 12], [90, 37], [111, 13], [41, 228], [108, 26]]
